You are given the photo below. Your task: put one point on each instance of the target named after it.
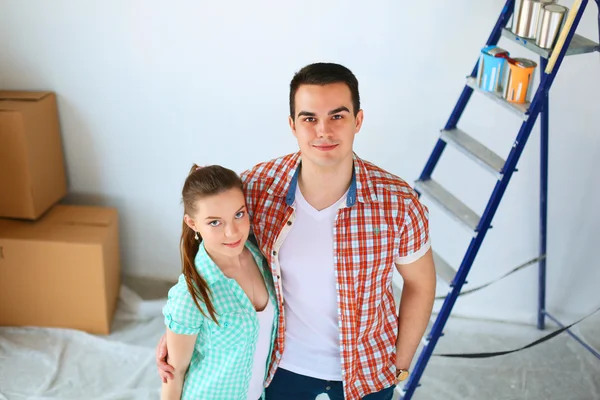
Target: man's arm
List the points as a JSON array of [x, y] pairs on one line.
[[164, 369], [415, 306], [181, 348]]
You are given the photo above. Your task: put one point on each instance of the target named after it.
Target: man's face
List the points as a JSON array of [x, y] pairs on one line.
[[325, 124]]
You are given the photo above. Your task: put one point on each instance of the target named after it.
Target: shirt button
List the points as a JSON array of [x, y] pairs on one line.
[[328, 388], [274, 253], [289, 222]]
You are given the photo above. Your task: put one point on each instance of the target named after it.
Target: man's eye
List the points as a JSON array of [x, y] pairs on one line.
[[240, 214], [214, 223], [310, 119], [337, 117]]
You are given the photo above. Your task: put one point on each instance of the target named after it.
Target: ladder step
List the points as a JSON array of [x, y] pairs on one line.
[[446, 200], [474, 149], [517, 108], [443, 269]]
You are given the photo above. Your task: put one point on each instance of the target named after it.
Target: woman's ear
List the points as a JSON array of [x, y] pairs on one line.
[[190, 222]]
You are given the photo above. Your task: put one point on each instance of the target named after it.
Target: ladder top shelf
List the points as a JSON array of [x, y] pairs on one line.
[[579, 44]]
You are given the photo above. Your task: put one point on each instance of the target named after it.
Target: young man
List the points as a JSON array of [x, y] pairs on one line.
[[333, 227]]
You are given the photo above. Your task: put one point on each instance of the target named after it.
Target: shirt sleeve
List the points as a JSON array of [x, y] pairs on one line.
[[414, 240], [181, 315]]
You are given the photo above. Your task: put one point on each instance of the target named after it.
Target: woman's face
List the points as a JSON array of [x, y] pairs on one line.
[[222, 221]]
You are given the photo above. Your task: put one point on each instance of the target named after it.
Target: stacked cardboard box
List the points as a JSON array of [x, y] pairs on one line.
[[59, 264]]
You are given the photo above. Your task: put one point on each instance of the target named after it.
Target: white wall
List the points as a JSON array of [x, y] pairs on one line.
[[148, 87]]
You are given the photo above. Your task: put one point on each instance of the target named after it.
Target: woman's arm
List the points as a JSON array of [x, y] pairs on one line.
[[181, 348]]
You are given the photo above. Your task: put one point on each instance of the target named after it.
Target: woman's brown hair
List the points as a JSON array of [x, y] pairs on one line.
[[201, 182]]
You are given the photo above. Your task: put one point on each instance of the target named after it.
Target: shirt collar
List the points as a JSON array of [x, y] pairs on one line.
[[211, 272], [207, 267], [361, 187]]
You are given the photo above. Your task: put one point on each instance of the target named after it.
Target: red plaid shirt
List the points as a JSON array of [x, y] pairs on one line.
[[383, 223]]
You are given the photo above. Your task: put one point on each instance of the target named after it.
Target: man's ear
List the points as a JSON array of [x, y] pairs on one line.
[[292, 125], [360, 115]]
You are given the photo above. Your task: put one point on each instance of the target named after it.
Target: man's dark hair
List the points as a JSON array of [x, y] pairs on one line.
[[324, 74]]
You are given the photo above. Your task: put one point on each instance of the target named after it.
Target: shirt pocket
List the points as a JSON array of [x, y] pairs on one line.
[[376, 245], [234, 330], [370, 261]]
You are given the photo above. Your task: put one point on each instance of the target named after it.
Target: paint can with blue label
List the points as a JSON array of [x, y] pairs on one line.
[[491, 69]]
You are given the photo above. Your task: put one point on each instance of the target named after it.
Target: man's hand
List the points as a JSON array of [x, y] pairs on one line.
[[164, 370]]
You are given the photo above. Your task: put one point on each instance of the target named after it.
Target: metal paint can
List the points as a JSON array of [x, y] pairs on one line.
[[518, 80], [526, 17], [491, 69], [551, 20]]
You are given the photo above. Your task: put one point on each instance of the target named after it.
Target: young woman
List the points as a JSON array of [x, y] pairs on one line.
[[221, 316]]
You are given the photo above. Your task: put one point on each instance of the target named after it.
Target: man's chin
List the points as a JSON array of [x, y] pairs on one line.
[[325, 159]]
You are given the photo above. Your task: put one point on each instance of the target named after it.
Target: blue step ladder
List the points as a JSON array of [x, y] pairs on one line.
[[503, 169]]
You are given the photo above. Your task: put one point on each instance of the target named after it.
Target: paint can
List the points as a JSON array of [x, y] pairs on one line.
[[491, 68], [526, 17], [549, 25], [518, 80]]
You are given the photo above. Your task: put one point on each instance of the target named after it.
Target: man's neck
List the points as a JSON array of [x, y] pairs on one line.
[[322, 187]]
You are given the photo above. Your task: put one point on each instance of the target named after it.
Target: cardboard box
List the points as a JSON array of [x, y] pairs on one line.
[[62, 270], [32, 170]]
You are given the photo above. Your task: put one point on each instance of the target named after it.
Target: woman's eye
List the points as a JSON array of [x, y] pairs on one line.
[[240, 214], [214, 223]]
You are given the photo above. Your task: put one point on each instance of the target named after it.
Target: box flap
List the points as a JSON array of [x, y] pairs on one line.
[[22, 95], [81, 215], [73, 224]]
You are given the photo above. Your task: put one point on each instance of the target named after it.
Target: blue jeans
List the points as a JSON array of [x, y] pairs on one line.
[[288, 385]]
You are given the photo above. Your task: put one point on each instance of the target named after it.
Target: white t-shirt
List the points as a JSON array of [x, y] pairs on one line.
[[261, 355], [312, 334]]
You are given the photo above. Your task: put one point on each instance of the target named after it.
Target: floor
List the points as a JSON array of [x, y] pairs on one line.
[[38, 363]]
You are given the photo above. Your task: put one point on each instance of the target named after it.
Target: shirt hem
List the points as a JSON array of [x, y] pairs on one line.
[[414, 256], [309, 373]]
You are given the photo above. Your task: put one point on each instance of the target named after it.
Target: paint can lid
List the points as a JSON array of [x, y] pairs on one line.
[[556, 8], [494, 50], [525, 63]]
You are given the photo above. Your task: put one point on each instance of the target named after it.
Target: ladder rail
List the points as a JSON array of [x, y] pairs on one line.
[[466, 93], [544, 139], [598, 3], [541, 102], [470, 255], [538, 104], [542, 312], [543, 210]]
